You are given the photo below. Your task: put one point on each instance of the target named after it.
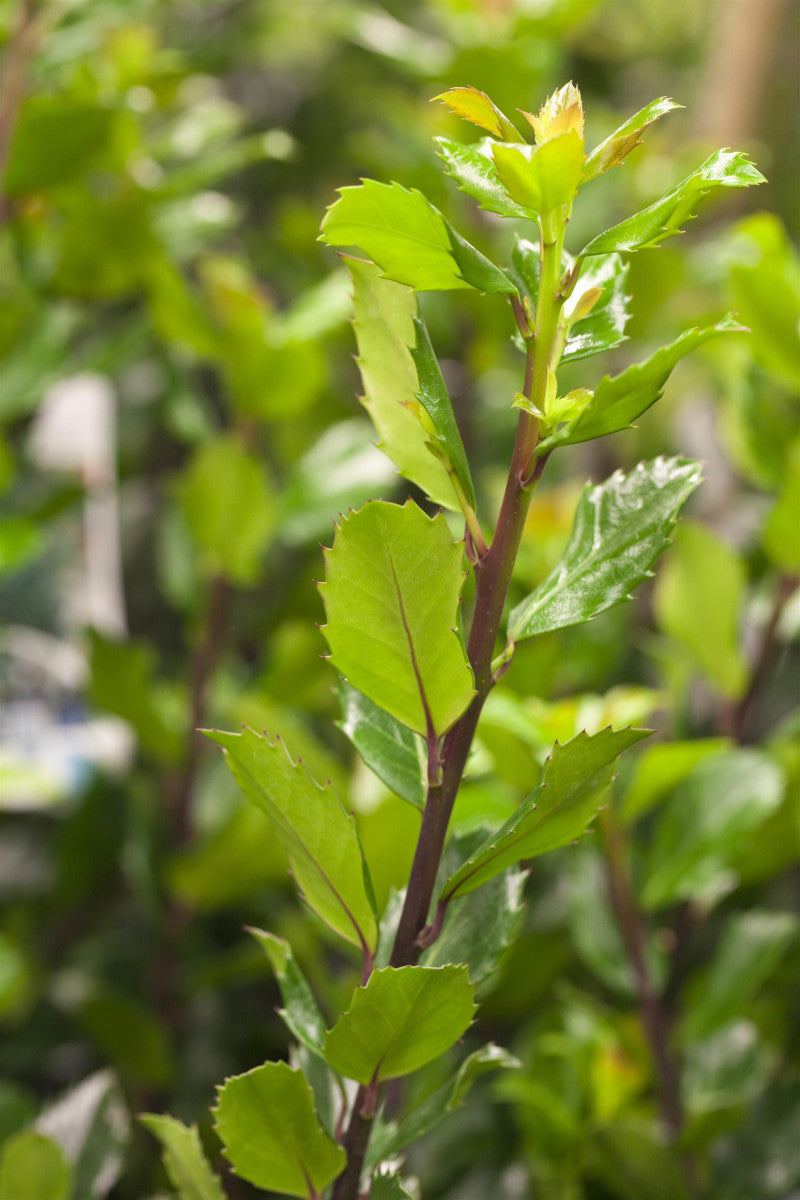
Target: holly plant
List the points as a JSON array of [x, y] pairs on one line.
[[416, 659]]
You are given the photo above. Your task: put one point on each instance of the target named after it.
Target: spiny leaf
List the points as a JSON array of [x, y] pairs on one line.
[[391, 594], [567, 798], [300, 1011], [402, 1019], [319, 836], [446, 439], [473, 169], [383, 319], [271, 1133], [664, 217], [620, 528], [619, 399], [409, 239], [619, 144], [477, 107], [184, 1160], [394, 753]]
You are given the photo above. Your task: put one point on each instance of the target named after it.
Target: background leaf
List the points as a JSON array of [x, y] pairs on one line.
[[33, 1167], [184, 1160]]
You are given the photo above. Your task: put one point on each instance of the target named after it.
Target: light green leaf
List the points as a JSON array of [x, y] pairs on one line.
[[620, 528], [541, 177], [660, 768], [55, 139], [752, 946], [664, 217], [317, 833], [436, 402], [394, 753], [391, 593], [698, 599], [701, 829], [390, 1138], [782, 530], [384, 313], [300, 1011], [184, 1160], [386, 1186], [619, 144], [272, 1135], [409, 239], [619, 399], [473, 169], [763, 281], [402, 1019], [603, 327], [32, 1167], [567, 798], [229, 508]]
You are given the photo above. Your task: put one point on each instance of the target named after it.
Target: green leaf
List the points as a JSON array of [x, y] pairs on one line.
[[56, 138], [781, 532], [409, 239], [317, 833], [567, 798], [620, 528], [630, 1158], [383, 318], [300, 1011], [92, 1126], [664, 217], [763, 282], [619, 399], [436, 402], [390, 1138], [123, 681], [184, 1160], [229, 508], [32, 1167], [660, 768], [403, 1018], [702, 827], [698, 599], [477, 107], [473, 169], [394, 753], [272, 1135], [604, 326], [391, 593], [752, 946], [541, 177], [386, 1186], [619, 144]]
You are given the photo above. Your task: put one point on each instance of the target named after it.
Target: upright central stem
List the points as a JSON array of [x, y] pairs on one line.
[[492, 578]]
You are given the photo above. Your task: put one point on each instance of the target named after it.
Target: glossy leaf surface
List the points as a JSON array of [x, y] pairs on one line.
[[409, 239], [445, 437], [383, 319], [300, 1011], [618, 145], [184, 1160], [620, 528], [567, 798], [701, 829], [473, 169], [317, 833], [391, 593], [664, 217], [271, 1133], [477, 107], [393, 752], [603, 327], [403, 1018]]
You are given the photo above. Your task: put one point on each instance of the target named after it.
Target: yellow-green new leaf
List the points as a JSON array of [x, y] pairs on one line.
[[391, 593], [402, 1019], [319, 836], [272, 1135], [409, 239], [619, 144], [541, 177], [477, 107]]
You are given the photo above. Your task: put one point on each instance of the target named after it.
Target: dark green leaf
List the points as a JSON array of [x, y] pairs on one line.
[[473, 169], [300, 1011], [568, 796], [726, 1070], [663, 218], [393, 752], [409, 239], [271, 1133], [434, 398], [403, 1018], [184, 1160], [632, 1161], [317, 833], [123, 682], [620, 528], [701, 828], [391, 593], [619, 144]]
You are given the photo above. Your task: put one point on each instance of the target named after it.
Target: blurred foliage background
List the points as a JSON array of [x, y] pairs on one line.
[[178, 432]]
